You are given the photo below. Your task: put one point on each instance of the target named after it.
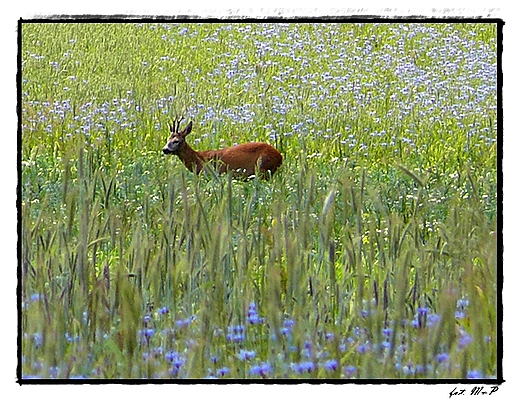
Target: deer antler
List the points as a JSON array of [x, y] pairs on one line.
[[178, 120]]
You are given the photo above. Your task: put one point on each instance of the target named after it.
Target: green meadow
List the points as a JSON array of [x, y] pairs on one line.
[[371, 254]]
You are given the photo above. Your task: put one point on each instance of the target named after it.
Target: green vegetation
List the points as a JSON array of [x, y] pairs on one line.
[[372, 253]]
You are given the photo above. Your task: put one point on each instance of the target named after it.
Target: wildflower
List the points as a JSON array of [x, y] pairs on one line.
[[350, 371], [304, 366], [38, 339], [409, 369], [252, 314], [331, 365], [462, 304], [178, 361], [442, 357], [35, 297], [246, 354], [464, 340], [474, 374], [223, 371], [180, 323], [263, 370], [235, 334], [460, 314], [171, 355], [164, 310], [54, 372], [147, 333], [385, 344], [287, 327], [362, 348], [432, 319]]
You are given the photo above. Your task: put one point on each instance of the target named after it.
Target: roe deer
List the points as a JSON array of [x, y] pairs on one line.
[[243, 160]]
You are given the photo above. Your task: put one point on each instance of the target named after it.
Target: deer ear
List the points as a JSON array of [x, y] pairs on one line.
[[188, 128]]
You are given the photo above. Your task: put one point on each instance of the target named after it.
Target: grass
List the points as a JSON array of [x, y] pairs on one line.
[[371, 254]]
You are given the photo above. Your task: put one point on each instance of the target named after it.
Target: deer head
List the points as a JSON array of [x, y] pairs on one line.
[[177, 139]]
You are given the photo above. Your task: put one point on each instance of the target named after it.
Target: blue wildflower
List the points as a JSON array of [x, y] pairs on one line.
[[164, 310], [223, 371], [432, 319], [474, 374], [462, 303], [350, 371], [252, 314], [171, 355], [331, 365], [464, 340], [35, 297], [262, 369], [235, 334], [304, 366], [287, 327], [362, 348], [246, 354], [146, 333]]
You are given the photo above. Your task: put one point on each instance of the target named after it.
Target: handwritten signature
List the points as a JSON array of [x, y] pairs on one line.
[[477, 390]]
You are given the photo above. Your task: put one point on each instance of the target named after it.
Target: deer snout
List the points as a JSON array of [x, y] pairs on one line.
[[166, 150], [173, 146]]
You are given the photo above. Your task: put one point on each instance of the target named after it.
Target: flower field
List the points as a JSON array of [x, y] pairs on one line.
[[371, 254]]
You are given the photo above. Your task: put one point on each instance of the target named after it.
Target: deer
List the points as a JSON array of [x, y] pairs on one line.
[[244, 160]]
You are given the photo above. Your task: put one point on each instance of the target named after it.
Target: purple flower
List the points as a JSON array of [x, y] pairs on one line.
[[184, 322], [387, 331], [35, 297], [304, 366], [262, 369], [164, 310], [246, 354], [235, 334], [331, 365], [432, 319], [350, 371], [462, 304], [252, 314], [362, 348], [329, 336], [443, 357], [171, 355], [287, 327], [464, 340], [474, 374], [146, 333], [223, 371]]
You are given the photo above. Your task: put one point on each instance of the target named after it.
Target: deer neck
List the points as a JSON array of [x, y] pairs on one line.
[[191, 158]]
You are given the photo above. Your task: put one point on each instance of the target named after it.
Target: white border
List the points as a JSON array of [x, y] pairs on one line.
[[31, 9]]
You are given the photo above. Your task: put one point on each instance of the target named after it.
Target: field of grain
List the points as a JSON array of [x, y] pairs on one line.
[[372, 253]]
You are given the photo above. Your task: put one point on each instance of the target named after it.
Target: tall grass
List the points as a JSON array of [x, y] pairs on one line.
[[371, 254]]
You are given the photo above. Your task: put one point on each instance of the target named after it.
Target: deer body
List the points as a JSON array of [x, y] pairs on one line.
[[244, 159]]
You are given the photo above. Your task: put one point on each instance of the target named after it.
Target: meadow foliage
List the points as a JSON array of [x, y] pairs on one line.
[[372, 253]]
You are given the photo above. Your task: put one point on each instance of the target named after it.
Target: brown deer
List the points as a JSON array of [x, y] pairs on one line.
[[243, 160]]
